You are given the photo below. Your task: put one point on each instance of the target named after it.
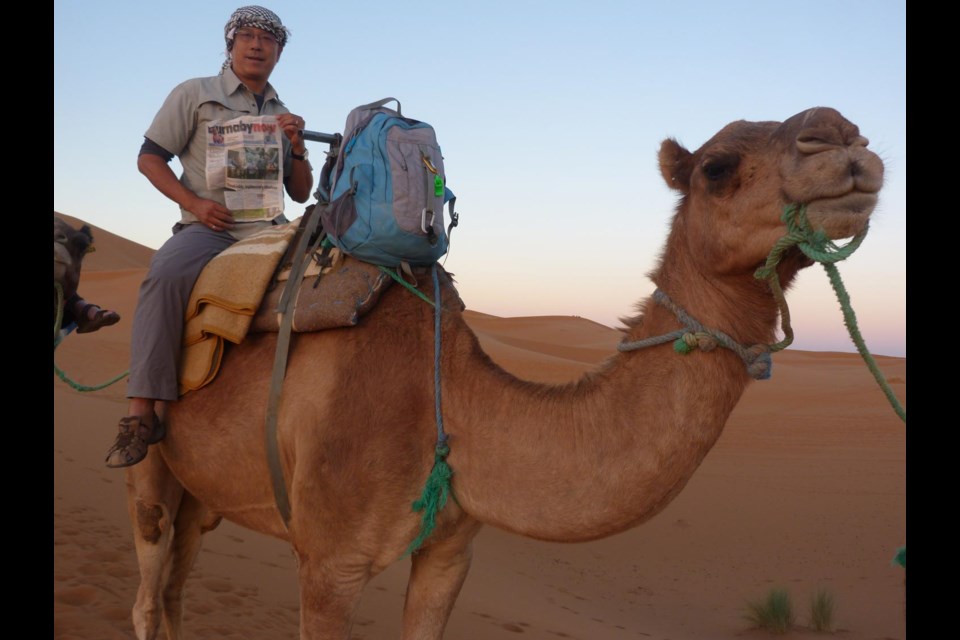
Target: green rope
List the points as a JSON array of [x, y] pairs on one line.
[[819, 248], [901, 556], [850, 320], [434, 496], [814, 244], [396, 276], [57, 339], [58, 288]]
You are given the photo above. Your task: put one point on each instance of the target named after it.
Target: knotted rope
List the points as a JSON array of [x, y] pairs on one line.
[[437, 488], [57, 339], [757, 357], [817, 246]]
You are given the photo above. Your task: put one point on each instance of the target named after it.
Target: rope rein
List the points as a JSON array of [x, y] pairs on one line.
[[57, 339], [437, 488], [817, 246]]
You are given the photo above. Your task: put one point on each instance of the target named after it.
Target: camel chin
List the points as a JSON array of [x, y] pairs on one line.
[[61, 262], [844, 216]]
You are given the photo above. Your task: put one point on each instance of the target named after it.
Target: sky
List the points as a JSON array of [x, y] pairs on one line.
[[549, 114]]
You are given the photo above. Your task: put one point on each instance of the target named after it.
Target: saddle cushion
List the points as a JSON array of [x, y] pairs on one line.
[[332, 296], [223, 303]]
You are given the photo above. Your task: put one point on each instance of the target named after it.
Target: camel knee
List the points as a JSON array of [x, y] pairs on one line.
[[150, 521]]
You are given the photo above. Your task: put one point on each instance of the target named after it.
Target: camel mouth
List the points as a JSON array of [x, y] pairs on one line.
[[843, 216]]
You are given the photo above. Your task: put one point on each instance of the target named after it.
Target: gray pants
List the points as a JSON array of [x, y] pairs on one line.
[[158, 322]]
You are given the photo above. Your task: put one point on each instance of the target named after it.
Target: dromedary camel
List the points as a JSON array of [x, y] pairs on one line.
[[357, 429], [69, 247]]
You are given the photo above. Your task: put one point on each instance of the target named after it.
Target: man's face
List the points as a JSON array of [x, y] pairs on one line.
[[255, 53]]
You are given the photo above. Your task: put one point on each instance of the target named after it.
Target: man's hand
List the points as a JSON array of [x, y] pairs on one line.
[[293, 126], [300, 180], [212, 214]]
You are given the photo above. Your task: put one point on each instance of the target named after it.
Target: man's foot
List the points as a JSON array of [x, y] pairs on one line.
[[92, 318], [133, 439]]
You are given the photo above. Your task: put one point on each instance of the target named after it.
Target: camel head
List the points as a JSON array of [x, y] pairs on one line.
[[735, 187], [69, 247]]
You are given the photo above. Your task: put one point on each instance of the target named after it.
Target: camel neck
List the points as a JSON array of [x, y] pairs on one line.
[[580, 461]]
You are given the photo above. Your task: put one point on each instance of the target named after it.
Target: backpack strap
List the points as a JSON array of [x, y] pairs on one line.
[[448, 197]]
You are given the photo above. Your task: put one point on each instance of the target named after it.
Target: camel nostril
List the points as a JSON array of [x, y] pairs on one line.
[[859, 141], [856, 168]]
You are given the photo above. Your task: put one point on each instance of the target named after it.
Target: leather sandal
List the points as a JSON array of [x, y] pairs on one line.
[[132, 441], [102, 318]]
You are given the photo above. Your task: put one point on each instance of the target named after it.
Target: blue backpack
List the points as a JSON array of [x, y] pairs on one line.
[[382, 189]]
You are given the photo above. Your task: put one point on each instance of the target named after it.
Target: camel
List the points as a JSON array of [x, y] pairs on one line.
[[69, 247], [357, 431]]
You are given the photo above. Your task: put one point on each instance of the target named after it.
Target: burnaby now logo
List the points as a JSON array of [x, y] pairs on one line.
[[243, 127]]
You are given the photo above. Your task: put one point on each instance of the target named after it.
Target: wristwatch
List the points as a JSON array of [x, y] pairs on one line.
[[297, 156]]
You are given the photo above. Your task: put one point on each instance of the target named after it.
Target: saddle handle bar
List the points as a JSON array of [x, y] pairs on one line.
[[316, 136]]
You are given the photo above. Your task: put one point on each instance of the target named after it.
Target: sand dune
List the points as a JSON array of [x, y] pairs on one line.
[[805, 489]]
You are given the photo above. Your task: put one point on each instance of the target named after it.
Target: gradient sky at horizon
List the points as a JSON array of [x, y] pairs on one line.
[[550, 115]]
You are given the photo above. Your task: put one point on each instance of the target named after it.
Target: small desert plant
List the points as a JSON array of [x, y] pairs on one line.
[[821, 610], [775, 613]]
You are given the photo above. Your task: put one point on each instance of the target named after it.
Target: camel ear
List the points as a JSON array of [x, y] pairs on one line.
[[84, 239], [675, 165]]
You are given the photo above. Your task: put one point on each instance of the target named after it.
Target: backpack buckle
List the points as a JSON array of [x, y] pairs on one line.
[[427, 228]]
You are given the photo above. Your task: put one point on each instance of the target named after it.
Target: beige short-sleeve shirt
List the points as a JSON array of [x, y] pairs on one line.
[[188, 109]]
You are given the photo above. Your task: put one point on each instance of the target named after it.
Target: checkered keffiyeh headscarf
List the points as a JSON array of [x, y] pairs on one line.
[[258, 18]]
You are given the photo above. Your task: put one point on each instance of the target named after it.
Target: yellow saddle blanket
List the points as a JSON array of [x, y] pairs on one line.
[[237, 294]]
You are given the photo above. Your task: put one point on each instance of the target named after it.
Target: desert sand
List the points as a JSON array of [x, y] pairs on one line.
[[806, 489]]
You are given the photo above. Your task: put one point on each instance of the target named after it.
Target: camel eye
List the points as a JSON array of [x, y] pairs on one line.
[[716, 168]]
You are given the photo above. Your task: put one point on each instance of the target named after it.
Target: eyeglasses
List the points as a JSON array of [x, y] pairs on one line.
[[247, 37]]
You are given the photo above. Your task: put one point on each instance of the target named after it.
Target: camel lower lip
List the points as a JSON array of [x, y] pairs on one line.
[[854, 203], [844, 216]]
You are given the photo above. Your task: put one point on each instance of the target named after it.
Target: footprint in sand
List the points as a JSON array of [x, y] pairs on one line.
[[231, 601], [217, 586], [198, 607], [75, 596]]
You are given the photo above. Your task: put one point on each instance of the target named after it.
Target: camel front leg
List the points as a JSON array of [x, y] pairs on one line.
[[153, 499], [437, 573], [330, 590]]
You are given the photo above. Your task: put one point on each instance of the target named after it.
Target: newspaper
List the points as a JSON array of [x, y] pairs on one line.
[[245, 159]]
